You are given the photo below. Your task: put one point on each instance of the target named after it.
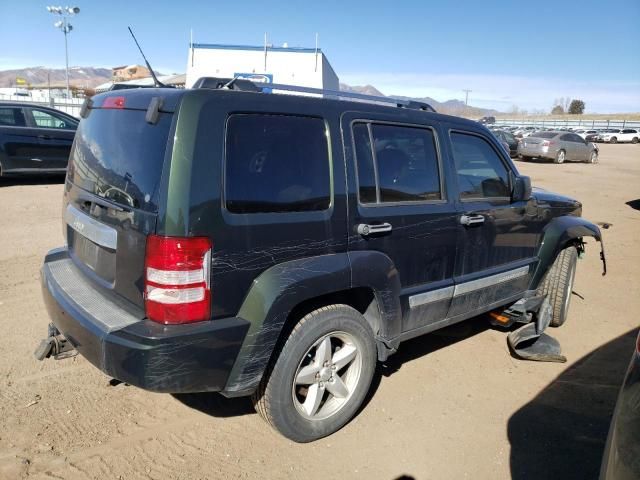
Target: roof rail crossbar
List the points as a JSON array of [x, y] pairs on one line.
[[206, 82]]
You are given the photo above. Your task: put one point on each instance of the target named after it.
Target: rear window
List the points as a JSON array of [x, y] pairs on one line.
[[119, 156], [276, 164], [544, 134], [509, 137]]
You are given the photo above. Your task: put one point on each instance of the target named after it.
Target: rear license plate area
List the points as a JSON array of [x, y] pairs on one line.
[[99, 259]]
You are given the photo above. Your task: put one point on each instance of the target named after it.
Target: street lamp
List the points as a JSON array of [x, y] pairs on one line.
[[66, 27]]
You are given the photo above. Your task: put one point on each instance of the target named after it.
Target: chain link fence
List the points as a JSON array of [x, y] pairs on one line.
[[71, 106], [566, 123]]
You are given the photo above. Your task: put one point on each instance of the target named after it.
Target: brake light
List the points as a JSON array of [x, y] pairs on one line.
[[113, 102], [177, 270], [547, 143]]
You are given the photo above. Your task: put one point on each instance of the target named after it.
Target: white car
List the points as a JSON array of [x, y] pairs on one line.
[[524, 132], [621, 135], [584, 132]]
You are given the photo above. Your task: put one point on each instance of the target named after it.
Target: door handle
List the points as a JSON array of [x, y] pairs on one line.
[[44, 137], [468, 220], [366, 229]]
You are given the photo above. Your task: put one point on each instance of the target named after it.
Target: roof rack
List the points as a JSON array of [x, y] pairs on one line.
[[246, 85]]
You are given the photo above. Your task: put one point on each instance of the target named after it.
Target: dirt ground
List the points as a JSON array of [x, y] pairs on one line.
[[450, 405]]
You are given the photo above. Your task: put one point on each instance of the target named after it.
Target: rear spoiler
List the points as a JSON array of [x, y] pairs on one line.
[[152, 100]]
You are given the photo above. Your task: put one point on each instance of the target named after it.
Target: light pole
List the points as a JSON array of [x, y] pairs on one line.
[[66, 27], [466, 96]]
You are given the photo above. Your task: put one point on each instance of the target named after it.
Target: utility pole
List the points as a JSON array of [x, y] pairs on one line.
[[466, 96]]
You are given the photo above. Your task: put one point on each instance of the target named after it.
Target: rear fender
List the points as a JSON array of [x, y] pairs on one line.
[[560, 232], [279, 289], [272, 296]]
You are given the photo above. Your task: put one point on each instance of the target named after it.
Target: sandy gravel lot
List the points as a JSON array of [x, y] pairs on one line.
[[450, 405]]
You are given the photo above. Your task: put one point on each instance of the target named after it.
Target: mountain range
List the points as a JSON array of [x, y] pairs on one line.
[[450, 107], [90, 77], [87, 77]]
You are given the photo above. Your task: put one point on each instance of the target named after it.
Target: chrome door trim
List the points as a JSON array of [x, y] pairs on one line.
[[445, 293], [90, 228], [485, 282], [430, 297]]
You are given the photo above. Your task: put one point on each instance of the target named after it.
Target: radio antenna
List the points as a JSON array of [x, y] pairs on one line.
[[156, 82]]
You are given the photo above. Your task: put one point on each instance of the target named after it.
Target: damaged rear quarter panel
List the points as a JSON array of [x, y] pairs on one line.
[[271, 298]]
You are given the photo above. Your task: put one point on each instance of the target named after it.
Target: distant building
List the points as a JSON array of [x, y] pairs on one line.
[[129, 72], [307, 67]]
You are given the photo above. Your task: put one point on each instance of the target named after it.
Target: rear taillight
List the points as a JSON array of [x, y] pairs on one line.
[[547, 143], [177, 273]]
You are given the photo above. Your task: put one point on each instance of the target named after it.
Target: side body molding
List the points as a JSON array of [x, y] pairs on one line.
[[276, 291], [556, 234]]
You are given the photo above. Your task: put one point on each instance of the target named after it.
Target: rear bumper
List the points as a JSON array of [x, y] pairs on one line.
[[161, 358], [540, 152]]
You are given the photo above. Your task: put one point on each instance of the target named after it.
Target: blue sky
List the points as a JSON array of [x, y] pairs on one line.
[[508, 53]]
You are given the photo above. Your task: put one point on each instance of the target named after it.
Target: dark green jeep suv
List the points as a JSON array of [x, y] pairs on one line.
[[279, 245]]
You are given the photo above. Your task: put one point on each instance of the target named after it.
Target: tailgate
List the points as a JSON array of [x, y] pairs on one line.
[[111, 194]]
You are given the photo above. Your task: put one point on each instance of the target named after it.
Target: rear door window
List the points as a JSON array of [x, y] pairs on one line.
[[396, 163], [12, 117], [481, 172], [276, 164]]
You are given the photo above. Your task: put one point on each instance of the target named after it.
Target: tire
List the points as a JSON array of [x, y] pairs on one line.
[[634, 140], [558, 284], [613, 140], [288, 405], [561, 156], [593, 157]]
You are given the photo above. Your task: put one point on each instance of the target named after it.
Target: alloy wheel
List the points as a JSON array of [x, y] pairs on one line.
[[327, 376]]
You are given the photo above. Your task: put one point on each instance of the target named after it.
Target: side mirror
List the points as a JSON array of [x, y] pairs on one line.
[[521, 189]]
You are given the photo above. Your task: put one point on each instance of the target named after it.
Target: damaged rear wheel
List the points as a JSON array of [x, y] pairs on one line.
[[558, 284]]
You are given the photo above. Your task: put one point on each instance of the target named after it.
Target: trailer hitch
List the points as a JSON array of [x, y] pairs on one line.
[[529, 342], [55, 345]]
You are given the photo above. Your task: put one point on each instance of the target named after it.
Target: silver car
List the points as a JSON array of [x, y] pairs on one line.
[[558, 146]]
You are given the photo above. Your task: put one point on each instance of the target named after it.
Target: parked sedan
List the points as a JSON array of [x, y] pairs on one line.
[[622, 452], [34, 139], [558, 146], [509, 139]]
